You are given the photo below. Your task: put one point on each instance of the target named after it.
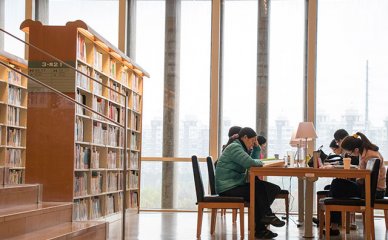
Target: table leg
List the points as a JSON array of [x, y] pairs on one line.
[[309, 200], [300, 199], [251, 211]]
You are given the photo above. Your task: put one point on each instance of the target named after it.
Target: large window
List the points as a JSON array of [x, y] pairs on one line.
[[14, 16], [100, 15], [285, 101], [351, 69], [239, 51], [150, 21]]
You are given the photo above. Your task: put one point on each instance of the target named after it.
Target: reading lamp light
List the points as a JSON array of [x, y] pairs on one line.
[[306, 131]]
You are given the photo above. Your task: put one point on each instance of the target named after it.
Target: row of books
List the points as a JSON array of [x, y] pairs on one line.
[[135, 122], [115, 113], [96, 182], [95, 161], [107, 135], [111, 159], [134, 199], [134, 160], [99, 106], [135, 83], [114, 181], [14, 158], [81, 98], [79, 129], [81, 48], [114, 96], [82, 157], [82, 80], [80, 210], [95, 208], [134, 141], [13, 116], [97, 87], [97, 61], [14, 96], [136, 102], [80, 184], [110, 204], [14, 77], [15, 176], [133, 178], [14, 137]]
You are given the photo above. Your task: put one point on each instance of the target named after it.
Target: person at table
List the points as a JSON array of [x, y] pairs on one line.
[[335, 148], [360, 146], [262, 141], [339, 136], [232, 134], [231, 180]]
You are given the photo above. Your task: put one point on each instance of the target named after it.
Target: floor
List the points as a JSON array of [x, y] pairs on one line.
[[182, 226]]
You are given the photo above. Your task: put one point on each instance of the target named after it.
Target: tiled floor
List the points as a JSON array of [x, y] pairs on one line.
[[182, 226]]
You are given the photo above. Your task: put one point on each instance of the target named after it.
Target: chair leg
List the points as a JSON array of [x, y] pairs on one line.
[[327, 224], [213, 221], [199, 220], [348, 222], [234, 215], [242, 222], [286, 201], [386, 219], [373, 226], [321, 218]]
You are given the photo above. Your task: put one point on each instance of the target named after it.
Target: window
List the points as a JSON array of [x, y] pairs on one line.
[[100, 15], [14, 16]]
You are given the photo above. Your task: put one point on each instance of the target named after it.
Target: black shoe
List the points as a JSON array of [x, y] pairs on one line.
[[333, 232], [273, 220], [316, 221], [265, 234]]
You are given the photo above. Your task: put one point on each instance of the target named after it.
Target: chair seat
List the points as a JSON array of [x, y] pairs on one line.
[[381, 201], [284, 191], [323, 193], [344, 202], [217, 198]]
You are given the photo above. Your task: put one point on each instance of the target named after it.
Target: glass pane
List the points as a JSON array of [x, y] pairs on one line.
[[239, 65], [351, 70], [14, 16], [150, 20], [151, 185], [285, 101], [102, 15], [194, 96]]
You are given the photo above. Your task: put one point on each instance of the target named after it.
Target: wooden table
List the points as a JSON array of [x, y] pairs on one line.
[[310, 175]]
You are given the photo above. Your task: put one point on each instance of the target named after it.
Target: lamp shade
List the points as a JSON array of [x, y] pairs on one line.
[[306, 130]]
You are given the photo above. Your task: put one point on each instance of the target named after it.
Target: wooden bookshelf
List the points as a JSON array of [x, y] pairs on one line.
[[13, 118], [76, 154]]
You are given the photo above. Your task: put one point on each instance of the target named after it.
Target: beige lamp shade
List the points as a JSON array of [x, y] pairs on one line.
[[306, 130]]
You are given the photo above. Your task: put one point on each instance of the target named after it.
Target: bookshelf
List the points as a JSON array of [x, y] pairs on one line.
[[76, 154], [13, 118]]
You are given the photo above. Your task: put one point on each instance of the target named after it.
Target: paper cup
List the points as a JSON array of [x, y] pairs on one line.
[[347, 163]]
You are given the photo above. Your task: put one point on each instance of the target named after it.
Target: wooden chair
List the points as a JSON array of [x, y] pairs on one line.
[[382, 204], [213, 202], [329, 204]]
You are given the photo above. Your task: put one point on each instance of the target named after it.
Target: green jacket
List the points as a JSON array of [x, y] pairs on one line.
[[232, 165]]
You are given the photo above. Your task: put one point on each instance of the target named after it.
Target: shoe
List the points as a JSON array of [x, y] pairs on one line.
[[265, 234], [353, 227], [273, 220], [333, 232], [316, 221]]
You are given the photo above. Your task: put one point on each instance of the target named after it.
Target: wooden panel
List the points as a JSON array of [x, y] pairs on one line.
[[50, 145]]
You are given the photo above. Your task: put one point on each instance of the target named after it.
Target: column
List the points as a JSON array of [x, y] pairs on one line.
[[262, 69], [171, 99], [131, 29], [2, 23], [42, 11]]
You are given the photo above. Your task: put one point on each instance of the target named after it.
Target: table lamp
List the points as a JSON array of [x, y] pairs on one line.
[[306, 131]]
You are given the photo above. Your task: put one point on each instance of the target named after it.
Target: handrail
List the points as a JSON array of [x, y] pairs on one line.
[[59, 60], [61, 94], [125, 126]]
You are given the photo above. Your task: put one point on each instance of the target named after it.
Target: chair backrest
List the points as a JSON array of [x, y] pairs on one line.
[[210, 170], [199, 189], [374, 166], [386, 181]]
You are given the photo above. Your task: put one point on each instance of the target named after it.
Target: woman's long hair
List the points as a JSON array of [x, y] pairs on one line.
[[360, 141]]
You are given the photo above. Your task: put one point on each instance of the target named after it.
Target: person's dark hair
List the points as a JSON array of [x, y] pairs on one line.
[[340, 134], [333, 144], [360, 141], [247, 131], [234, 130], [261, 140]]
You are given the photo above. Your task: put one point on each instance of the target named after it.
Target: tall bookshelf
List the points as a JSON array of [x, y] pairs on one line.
[[13, 119], [75, 153]]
